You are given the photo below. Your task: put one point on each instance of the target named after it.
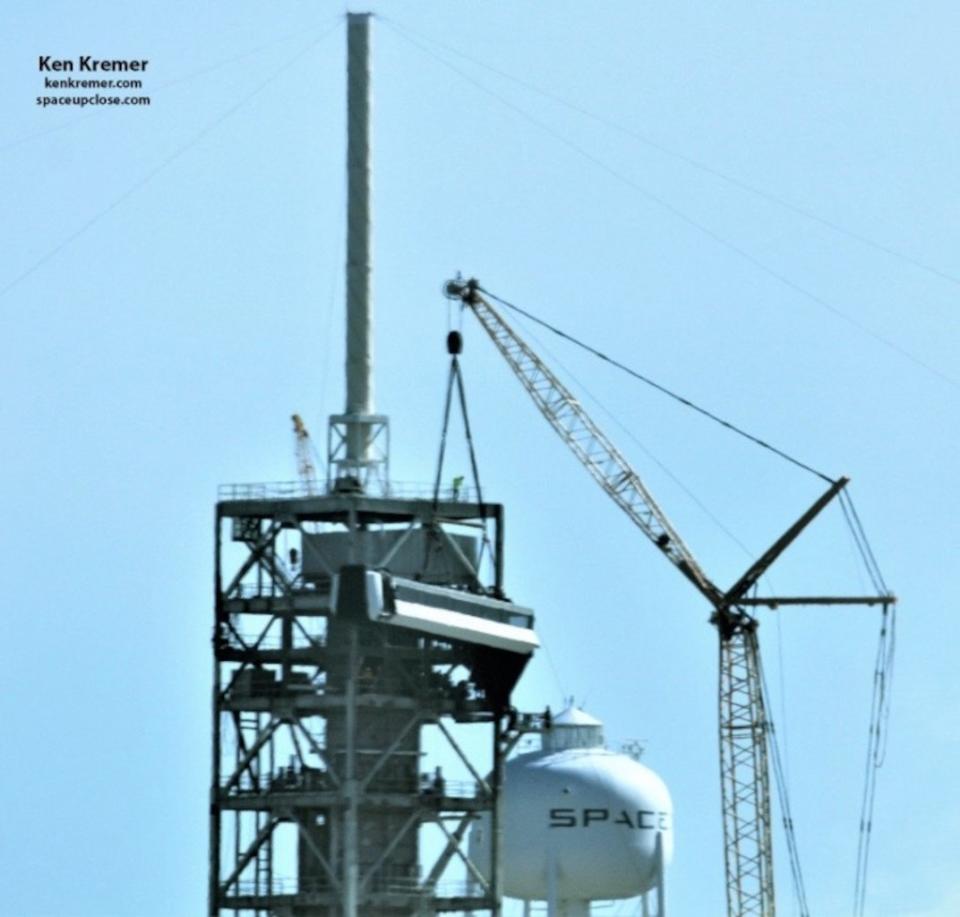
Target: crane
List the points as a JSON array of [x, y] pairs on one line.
[[303, 448], [743, 722]]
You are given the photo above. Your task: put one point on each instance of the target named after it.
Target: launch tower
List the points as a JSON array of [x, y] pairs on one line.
[[347, 622]]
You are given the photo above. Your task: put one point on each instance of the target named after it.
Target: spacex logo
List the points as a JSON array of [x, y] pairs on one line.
[[641, 819]]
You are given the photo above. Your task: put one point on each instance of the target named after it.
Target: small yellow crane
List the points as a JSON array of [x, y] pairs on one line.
[[303, 449]]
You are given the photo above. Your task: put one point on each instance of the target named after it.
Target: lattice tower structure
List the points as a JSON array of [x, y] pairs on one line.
[[319, 797]]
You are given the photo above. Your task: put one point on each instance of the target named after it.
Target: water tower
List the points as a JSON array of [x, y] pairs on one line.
[[581, 823]]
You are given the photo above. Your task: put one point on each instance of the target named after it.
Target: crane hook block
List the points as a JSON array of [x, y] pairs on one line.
[[454, 343]]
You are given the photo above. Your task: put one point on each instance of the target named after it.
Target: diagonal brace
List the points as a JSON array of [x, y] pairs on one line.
[[318, 853], [250, 853], [318, 751], [458, 850], [448, 852], [394, 745], [407, 825], [257, 551], [762, 564], [484, 786], [252, 753]]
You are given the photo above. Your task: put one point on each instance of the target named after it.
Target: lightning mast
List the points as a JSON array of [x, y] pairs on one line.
[[358, 442]]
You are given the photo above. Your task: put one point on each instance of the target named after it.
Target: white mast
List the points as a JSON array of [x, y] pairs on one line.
[[358, 446], [359, 301]]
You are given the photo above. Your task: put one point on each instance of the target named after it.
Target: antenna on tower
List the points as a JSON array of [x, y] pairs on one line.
[[358, 442]]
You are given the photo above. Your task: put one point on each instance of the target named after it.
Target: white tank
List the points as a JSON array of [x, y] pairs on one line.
[[580, 822]]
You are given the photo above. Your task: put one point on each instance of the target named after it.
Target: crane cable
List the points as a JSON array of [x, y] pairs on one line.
[[863, 545], [876, 749], [656, 385], [878, 730], [684, 217], [783, 796], [454, 346], [405, 31]]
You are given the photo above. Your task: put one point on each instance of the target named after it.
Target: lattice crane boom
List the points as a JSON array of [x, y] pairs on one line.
[[743, 722], [585, 439]]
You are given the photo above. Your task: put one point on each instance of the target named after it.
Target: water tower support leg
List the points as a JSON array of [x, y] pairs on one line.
[[661, 893]]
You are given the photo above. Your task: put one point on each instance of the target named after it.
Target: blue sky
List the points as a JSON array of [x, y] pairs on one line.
[[753, 203]]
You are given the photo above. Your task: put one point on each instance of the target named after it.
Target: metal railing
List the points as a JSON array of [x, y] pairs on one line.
[[285, 780], [281, 781], [290, 490], [396, 885], [268, 589], [450, 789]]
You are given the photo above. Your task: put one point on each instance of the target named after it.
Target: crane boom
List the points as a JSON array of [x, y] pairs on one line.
[[585, 439]]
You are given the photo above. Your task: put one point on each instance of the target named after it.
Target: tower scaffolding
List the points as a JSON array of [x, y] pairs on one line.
[[319, 796]]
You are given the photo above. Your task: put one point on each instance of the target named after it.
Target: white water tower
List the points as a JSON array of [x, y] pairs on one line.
[[580, 823]]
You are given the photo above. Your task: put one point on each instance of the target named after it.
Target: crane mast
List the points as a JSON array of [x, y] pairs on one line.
[[743, 724], [744, 776]]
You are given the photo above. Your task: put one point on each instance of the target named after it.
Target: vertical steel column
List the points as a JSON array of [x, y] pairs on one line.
[[496, 816], [213, 889], [748, 851], [351, 847], [359, 365]]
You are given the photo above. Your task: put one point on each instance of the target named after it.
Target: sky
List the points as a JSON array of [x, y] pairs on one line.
[[750, 203]]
